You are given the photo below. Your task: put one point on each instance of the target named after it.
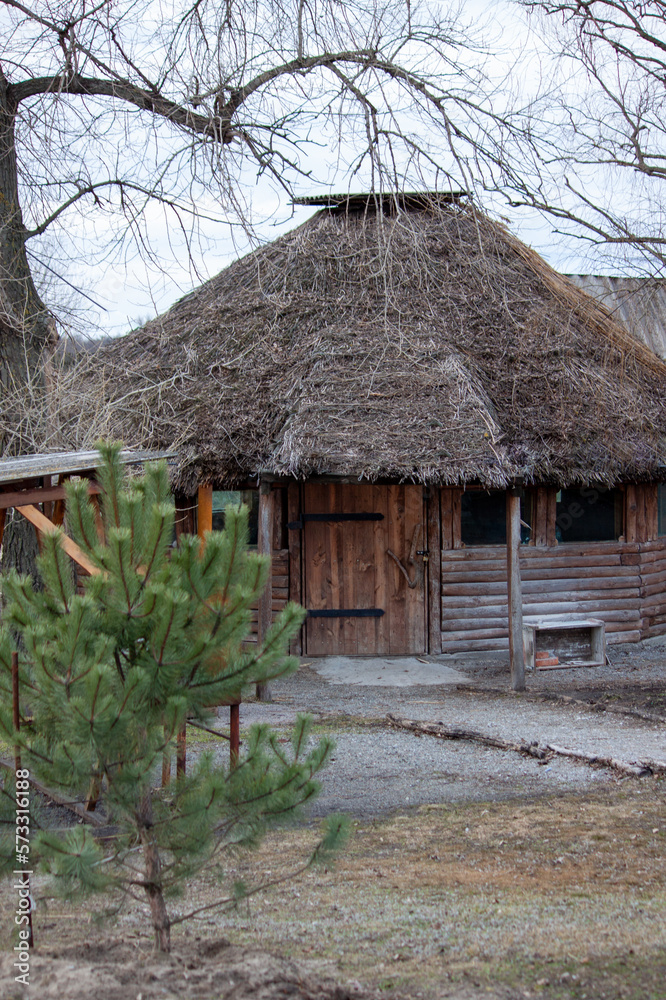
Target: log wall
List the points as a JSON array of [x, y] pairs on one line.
[[599, 579], [622, 582], [280, 582]]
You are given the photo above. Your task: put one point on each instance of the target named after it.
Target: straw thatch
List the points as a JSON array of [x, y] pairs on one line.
[[426, 345]]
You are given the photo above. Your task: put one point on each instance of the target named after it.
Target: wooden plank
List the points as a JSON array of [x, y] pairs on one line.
[[456, 519], [42, 523], [471, 608], [652, 507], [654, 588], [650, 559], [204, 510], [382, 625], [3, 518], [574, 567], [495, 601], [655, 545], [361, 564], [591, 607], [42, 494], [185, 515], [434, 545], [540, 532], [416, 599], [294, 543], [571, 550], [630, 514], [649, 569], [553, 587], [478, 635], [396, 541], [515, 597], [264, 545], [551, 523], [279, 525], [641, 515], [481, 645], [446, 505], [78, 462], [613, 638], [530, 574]]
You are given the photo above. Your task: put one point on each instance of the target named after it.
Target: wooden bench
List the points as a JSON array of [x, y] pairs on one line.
[[576, 642]]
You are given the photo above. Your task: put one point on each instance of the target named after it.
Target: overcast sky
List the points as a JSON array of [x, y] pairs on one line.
[[124, 291]]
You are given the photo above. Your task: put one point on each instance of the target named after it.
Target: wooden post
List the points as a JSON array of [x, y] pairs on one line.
[[294, 544], [204, 510], [234, 734], [516, 655], [433, 544], [265, 535], [166, 761], [181, 751]]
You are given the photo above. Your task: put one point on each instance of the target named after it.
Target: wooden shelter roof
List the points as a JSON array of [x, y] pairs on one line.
[[426, 345], [65, 462]]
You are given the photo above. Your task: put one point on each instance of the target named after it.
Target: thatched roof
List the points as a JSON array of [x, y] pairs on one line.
[[428, 345]]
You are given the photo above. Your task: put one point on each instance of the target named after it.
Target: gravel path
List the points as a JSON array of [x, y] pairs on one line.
[[377, 770]]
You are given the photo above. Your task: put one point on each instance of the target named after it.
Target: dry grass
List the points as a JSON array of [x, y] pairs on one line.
[[557, 898]]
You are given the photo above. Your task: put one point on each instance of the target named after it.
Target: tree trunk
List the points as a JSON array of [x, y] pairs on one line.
[[27, 337], [27, 330], [20, 548], [153, 877]]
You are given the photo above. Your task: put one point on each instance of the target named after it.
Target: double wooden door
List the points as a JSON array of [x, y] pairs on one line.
[[365, 569]]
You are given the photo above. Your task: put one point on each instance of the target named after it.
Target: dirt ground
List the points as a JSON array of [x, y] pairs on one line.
[[555, 897]]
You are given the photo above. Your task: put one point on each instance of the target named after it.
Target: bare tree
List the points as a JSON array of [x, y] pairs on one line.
[[599, 137], [108, 107]]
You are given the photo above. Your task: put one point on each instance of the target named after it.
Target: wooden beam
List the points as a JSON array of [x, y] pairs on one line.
[[540, 510], [630, 514], [516, 655], [294, 543], [186, 507], [433, 544], [551, 526], [204, 510], [265, 534], [19, 498], [47, 527], [3, 518]]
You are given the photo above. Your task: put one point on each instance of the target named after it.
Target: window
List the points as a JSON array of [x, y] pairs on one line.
[[589, 514], [225, 498], [483, 517], [661, 500]]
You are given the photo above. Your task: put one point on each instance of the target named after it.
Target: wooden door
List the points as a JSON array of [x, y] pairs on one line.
[[364, 571]]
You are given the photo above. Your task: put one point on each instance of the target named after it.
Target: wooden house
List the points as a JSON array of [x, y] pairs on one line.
[[376, 383]]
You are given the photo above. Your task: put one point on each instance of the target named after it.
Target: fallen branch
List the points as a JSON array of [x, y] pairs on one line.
[[636, 769], [656, 766], [623, 766], [442, 732]]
